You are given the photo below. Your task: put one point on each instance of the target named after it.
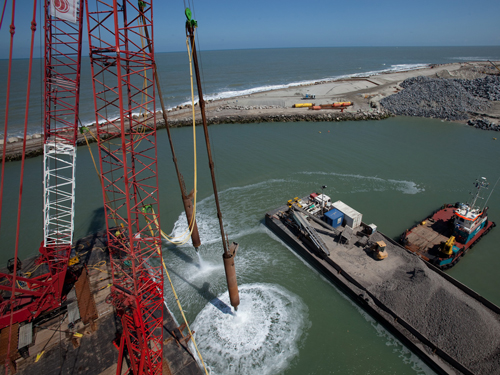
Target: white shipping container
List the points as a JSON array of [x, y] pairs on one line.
[[351, 217]]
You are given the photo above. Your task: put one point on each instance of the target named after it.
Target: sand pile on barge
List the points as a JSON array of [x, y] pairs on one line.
[[445, 315], [428, 303]]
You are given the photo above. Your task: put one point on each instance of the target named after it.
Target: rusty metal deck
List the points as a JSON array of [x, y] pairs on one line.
[[424, 239]]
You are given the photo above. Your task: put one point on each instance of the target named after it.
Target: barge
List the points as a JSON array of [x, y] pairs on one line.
[[446, 235], [450, 327]]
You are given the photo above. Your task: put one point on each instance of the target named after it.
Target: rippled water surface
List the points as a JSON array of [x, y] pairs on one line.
[[291, 320]]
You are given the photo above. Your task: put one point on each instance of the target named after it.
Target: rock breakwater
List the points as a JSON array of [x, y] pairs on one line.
[[449, 99], [483, 124], [238, 115], [309, 116]]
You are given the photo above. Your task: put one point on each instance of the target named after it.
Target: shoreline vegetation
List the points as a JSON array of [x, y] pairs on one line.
[[439, 95]]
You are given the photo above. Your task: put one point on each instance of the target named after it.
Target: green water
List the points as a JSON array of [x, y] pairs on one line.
[[394, 172]]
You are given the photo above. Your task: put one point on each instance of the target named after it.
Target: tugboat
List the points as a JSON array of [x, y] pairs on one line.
[[447, 234]]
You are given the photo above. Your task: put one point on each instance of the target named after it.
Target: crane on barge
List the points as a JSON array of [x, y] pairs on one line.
[[28, 296], [122, 57]]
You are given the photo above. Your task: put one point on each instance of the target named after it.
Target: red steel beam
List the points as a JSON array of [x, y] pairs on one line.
[[122, 77]]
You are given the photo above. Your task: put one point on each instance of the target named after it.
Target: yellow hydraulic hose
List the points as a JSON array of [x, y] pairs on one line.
[[190, 226], [177, 298]]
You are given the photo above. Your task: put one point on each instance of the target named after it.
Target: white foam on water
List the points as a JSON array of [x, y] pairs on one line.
[[237, 222], [262, 337], [256, 185], [373, 183], [205, 268]]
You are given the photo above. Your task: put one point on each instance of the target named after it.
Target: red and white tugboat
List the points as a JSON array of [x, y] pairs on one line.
[[446, 235]]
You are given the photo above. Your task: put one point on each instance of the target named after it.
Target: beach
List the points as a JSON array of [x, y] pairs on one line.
[[364, 92]]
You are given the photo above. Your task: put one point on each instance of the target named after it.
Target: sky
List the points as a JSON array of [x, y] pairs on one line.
[[236, 24]]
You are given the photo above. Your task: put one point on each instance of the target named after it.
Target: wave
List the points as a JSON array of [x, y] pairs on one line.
[[237, 93], [375, 183], [88, 118]]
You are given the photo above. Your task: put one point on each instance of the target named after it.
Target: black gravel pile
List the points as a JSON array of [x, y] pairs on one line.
[[443, 314], [438, 98], [483, 124], [487, 88]]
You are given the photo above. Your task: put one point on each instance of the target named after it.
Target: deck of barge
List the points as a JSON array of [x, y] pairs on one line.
[[449, 326], [60, 351], [425, 239]]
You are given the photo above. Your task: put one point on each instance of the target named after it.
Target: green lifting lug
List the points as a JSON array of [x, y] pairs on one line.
[[190, 22]]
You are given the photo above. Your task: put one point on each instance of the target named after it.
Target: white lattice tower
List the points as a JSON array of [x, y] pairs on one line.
[[59, 192]]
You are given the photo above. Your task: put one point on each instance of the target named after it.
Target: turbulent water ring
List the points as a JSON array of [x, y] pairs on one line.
[[261, 338]]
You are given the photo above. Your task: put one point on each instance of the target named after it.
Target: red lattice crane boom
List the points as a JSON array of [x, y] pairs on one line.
[[62, 55], [122, 63]]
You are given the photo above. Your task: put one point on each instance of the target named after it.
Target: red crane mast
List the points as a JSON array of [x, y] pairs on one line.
[[42, 291], [122, 63]]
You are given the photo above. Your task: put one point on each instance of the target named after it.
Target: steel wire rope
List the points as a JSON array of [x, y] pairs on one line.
[[83, 130], [190, 224], [9, 75], [41, 69], [106, 141], [144, 83], [56, 240], [3, 12], [194, 214], [190, 228], [21, 179], [192, 221], [7, 98], [140, 134], [214, 157]]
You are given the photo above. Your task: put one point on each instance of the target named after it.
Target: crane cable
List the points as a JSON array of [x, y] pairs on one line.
[[82, 130], [192, 220], [142, 26], [191, 224]]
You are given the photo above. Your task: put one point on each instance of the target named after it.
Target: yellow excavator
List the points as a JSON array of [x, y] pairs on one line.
[[446, 248], [294, 200], [379, 251]]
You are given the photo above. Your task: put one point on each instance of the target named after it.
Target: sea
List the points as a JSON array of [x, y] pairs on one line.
[[231, 73], [291, 319]]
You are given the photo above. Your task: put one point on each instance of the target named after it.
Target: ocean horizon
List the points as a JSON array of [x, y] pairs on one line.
[[238, 72]]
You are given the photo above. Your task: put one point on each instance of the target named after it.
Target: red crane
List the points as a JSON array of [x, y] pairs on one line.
[[34, 295], [122, 63]]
